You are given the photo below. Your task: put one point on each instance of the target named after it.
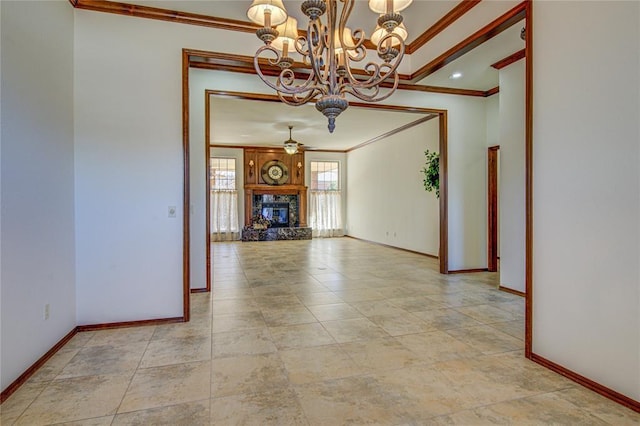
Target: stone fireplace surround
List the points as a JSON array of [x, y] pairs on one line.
[[296, 195]]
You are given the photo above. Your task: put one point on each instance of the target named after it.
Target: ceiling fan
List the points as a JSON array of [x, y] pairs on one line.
[[292, 146]]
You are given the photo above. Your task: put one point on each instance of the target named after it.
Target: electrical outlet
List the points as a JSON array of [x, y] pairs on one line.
[[47, 312], [172, 211]]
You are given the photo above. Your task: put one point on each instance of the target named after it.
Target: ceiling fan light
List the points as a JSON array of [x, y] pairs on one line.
[[291, 147]]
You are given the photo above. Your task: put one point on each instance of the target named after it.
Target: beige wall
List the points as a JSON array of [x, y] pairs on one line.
[[586, 185]]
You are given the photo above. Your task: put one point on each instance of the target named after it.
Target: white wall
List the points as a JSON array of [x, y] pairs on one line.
[[37, 181], [467, 173], [386, 200], [587, 190], [512, 176], [493, 119]]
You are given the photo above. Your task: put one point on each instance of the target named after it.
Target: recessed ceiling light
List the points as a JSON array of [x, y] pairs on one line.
[[455, 75]]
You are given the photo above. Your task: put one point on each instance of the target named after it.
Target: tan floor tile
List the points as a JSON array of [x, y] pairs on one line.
[[190, 413], [320, 363], [233, 306], [437, 346], [454, 300], [300, 335], [277, 407], [177, 350], [272, 290], [106, 359], [526, 411], [377, 308], [15, 405], [319, 298], [55, 364], [398, 325], [599, 406], [247, 374], [353, 400], [512, 328], [335, 311], [446, 319], [247, 342], [486, 339], [172, 384], [350, 294], [121, 336], [237, 321], [192, 328], [415, 303], [75, 399], [351, 330], [96, 421], [380, 354], [486, 314], [288, 316], [278, 302]]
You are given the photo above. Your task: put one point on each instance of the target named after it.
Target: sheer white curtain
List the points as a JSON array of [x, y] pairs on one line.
[[325, 213], [224, 215]]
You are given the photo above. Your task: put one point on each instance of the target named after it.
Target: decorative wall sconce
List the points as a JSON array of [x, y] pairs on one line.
[[251, 164], [299, 166]]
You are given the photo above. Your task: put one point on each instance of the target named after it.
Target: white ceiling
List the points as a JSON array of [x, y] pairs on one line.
[[244, 122], [248, 122]]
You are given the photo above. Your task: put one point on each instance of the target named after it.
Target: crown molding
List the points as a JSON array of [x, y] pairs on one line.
[[486, 33], [514, 57], [453, 15]]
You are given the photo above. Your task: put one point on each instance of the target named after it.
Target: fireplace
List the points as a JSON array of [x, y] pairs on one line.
[[277, 214]]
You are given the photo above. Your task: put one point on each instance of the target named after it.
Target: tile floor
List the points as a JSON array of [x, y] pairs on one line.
[[322, 332]]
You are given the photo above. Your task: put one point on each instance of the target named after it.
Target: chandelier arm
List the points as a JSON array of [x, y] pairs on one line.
[[371, 98], [294, 100], [285, 82], [315, 33], [331, 66]]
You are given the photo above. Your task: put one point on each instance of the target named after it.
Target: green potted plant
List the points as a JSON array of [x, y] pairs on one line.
[[431, 172]]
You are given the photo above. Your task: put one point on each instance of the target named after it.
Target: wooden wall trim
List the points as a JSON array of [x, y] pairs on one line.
[[453, 15], [393, 132], [164, 15], [476, 39], [514, 57], [528, 317], [186, 200], [468, 271], [207, 195], [443, 144], [492, 208], [512, 291], [492, 92], [218, 61], [128, 324], [6, 393], [432, 256], [588, 383]]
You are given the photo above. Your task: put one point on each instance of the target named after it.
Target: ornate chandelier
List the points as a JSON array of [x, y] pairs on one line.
[[328, 50]]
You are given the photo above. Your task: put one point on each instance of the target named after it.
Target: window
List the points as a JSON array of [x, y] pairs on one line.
[[224, 199], [325, 199], [223, 173], [325, 175]]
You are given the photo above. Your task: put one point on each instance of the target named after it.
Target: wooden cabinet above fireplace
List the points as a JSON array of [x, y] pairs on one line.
[[255, 160], [257, 163]]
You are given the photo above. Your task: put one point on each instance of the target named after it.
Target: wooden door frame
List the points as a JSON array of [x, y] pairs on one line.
[[492, 208], [442, 146]]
